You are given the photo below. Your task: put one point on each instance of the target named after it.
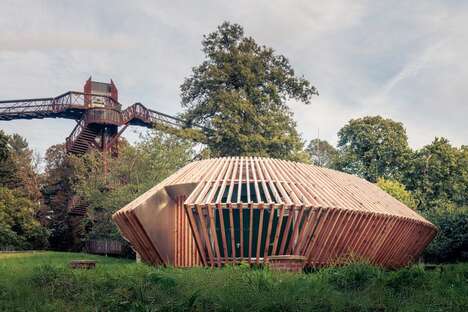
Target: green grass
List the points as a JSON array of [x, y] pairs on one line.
[[42, 281]]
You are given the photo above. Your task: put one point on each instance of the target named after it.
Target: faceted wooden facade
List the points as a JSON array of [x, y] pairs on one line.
[[227, 210]]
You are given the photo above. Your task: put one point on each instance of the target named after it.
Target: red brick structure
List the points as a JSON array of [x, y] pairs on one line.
[[287, 263]]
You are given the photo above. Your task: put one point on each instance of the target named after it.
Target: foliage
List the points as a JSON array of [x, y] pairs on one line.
[[321, 153], [354, 276], [57, 190], [137, 169], [239, 95], [25, 166], [43, 282], [398, 191], [451, 242], [8, 172], [439, 172], [373, 147], [19, 196], [18, 227]]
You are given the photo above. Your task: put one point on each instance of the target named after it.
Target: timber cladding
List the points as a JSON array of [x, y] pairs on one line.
[[248, 209]]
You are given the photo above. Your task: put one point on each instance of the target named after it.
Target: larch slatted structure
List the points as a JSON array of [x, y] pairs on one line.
[[226, 210]]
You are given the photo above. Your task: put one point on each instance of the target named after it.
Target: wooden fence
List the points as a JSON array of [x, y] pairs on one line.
[[104, 247]]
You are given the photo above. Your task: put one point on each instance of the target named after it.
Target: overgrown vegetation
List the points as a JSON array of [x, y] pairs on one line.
[[451, 243], [106, 187], [138, 168], [21, 221], [43, 282]]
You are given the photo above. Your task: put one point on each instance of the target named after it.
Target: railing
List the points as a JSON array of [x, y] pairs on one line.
[[150, 117], [104, 116], [70, 140], [71, 99]]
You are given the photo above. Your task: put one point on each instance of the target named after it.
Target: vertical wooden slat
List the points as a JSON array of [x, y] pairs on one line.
[[250, 231], [292, 241], [260, 227], [310, 238], [303, 234], [240, 207], [287, 228], [241, 228], [196, 234], [317, 231], [210, 209], [278, 230], [233, 240], [223, 231], [337, 214], [268, 234]]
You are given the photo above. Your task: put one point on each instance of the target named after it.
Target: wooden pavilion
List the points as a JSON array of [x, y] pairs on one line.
[[226, 210]]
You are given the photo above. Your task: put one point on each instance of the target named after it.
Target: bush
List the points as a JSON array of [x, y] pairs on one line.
[[18, 227], [353, 276], [410, 277], [451, 242], [398, 191]]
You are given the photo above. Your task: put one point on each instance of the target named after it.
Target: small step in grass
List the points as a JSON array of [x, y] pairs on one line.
[[43, 281]]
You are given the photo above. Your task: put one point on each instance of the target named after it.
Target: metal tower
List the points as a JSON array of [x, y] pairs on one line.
[[99, 116]]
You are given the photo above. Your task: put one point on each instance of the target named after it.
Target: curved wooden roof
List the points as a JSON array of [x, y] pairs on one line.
[[252, 208], [278, 182]]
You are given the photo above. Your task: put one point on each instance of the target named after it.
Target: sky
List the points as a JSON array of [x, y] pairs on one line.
[[404, 60]]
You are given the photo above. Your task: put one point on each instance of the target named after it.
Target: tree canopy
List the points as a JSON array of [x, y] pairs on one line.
[[239, 94], [321, 153], [438, 173], [20, 225], [373, 147], [398, 191]]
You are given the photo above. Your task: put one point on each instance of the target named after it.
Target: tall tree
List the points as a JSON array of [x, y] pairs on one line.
[[8, 170], [59, 178], [321, 153], [25, 166], [240, 91], [373, 147], [438, 173], [19, 196], [19, 229]]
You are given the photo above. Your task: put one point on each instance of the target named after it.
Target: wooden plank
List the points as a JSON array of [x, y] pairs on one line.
[[196, 234], [260, 227], [270, 224], [205, 236], [292, 241], [223, 231], [250, 231], [214, 236], [241, 228], [278, 230], [233, 239], [287, 228], [303, 233]]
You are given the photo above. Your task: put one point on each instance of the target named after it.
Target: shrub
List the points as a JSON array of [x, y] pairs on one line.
[[451, 242], [352, 276], [410, 277], [398, 191]]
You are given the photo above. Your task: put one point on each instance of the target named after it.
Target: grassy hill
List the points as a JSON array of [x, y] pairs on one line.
[[42, 281]]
